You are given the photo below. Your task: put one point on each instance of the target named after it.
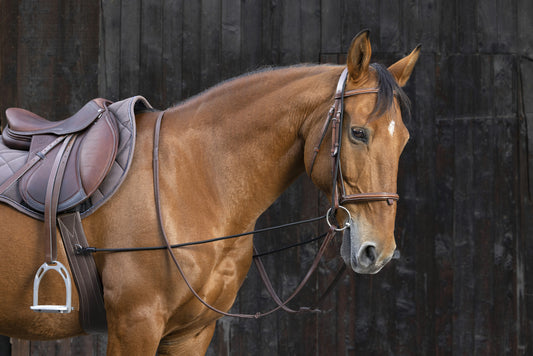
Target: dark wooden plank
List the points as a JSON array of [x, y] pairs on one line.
[[505, 210], [59, 80], [8, 53], [5, 346], [20, 347], [151, 51], [191, 62], [508, 40], [172, 52], [525, 27], [525, 243], [331, 27], [389, 26], [230, 37], [447, 35], [252, 23], [444, 87], [411, 27], [353, 21], [130, 55], [484, 88], [505, 85], [482, 216], [466, 27], [444, 238], [291, 33], [429, 26], [464, 85], [109, 57], [421, 84], [271, 24], [210, 43], [487, 25], [310, 37], [464, 239]]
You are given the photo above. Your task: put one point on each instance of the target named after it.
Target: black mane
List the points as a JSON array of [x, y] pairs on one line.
[[388, 89]]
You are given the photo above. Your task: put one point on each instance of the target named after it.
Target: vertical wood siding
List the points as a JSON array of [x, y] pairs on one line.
[[463, 284]]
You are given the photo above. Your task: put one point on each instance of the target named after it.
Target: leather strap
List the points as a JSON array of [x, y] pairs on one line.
[[268, 284], [281, 304], [52, 198], [86, 277], [363, 197]]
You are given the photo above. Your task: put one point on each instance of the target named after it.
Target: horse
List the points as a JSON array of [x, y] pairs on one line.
[[225, 156]]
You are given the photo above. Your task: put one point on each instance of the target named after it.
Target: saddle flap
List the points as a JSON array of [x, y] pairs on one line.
[[92, 155]]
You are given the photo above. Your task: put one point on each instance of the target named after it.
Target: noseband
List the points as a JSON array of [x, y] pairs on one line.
[[335, 119]]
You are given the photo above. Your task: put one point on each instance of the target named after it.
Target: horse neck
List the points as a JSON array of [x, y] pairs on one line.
[[245, 140]]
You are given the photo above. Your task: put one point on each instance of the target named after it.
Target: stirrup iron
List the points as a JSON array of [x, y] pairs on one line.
[[60, 268]]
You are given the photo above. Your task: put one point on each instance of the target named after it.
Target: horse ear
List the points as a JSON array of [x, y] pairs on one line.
[[359, 56], [402, 69]]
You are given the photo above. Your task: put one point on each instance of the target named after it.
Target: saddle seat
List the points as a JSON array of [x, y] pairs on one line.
[[23, 124]]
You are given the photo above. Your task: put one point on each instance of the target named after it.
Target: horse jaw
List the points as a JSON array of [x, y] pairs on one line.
[[362, 255]]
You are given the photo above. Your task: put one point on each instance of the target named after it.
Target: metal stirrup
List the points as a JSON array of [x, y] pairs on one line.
[[60, 268]]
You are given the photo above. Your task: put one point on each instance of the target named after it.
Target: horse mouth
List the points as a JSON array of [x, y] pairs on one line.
[[362, 257]]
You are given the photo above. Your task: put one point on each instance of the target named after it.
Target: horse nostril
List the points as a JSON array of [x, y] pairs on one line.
[[367, 256], [370, 254]]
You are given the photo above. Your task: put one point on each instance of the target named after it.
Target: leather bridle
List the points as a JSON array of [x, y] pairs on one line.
[[335, 119]]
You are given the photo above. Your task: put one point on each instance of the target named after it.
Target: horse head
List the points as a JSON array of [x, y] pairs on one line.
[[371, 137]]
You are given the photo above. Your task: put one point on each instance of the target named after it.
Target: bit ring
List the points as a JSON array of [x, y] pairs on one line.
[[346, 224]]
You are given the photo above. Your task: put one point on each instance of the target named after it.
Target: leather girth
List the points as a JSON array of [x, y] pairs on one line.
[[92, 309]]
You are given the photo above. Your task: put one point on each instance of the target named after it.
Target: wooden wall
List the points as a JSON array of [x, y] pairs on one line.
[[463, 283]]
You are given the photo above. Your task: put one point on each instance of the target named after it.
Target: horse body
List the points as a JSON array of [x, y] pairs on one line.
[[225, 156]]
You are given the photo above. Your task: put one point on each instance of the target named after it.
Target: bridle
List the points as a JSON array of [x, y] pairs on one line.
[[335, 119], [339, 197]]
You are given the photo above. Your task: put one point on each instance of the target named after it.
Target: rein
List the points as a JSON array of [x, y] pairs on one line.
[[281, 304], [339, 197]]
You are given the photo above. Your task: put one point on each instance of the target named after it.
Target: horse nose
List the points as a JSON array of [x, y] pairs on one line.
[[367, 255]]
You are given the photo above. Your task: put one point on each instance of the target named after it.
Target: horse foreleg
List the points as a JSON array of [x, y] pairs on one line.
[[133, 334], [193, 343]]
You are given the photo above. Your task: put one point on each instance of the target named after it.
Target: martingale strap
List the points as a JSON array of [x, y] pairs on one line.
[[281, 304]]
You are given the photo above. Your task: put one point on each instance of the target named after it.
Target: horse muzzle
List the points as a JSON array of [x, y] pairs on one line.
[[364, 256]]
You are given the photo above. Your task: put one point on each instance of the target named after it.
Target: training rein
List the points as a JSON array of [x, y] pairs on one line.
[[339, 197]]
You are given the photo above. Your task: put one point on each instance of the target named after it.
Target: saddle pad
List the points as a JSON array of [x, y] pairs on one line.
[[124, 111]]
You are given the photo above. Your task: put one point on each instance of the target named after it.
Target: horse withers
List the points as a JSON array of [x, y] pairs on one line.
[[224, 157]]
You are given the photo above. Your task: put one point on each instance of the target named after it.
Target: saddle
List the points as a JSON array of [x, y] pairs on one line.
[[82, 147], [62, 171]]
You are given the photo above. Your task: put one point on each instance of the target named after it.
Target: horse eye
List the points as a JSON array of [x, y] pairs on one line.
[[359, 134]]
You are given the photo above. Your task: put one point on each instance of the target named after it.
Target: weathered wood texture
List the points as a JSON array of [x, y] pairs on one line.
[[464, 282]]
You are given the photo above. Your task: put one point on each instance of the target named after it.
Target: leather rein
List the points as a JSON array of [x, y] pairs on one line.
[[339, 197]]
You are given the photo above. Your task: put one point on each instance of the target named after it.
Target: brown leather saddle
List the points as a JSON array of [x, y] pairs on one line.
[[84, 156], [62, 171]]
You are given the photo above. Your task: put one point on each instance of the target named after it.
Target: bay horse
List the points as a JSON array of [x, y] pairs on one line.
[[225, 156]]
